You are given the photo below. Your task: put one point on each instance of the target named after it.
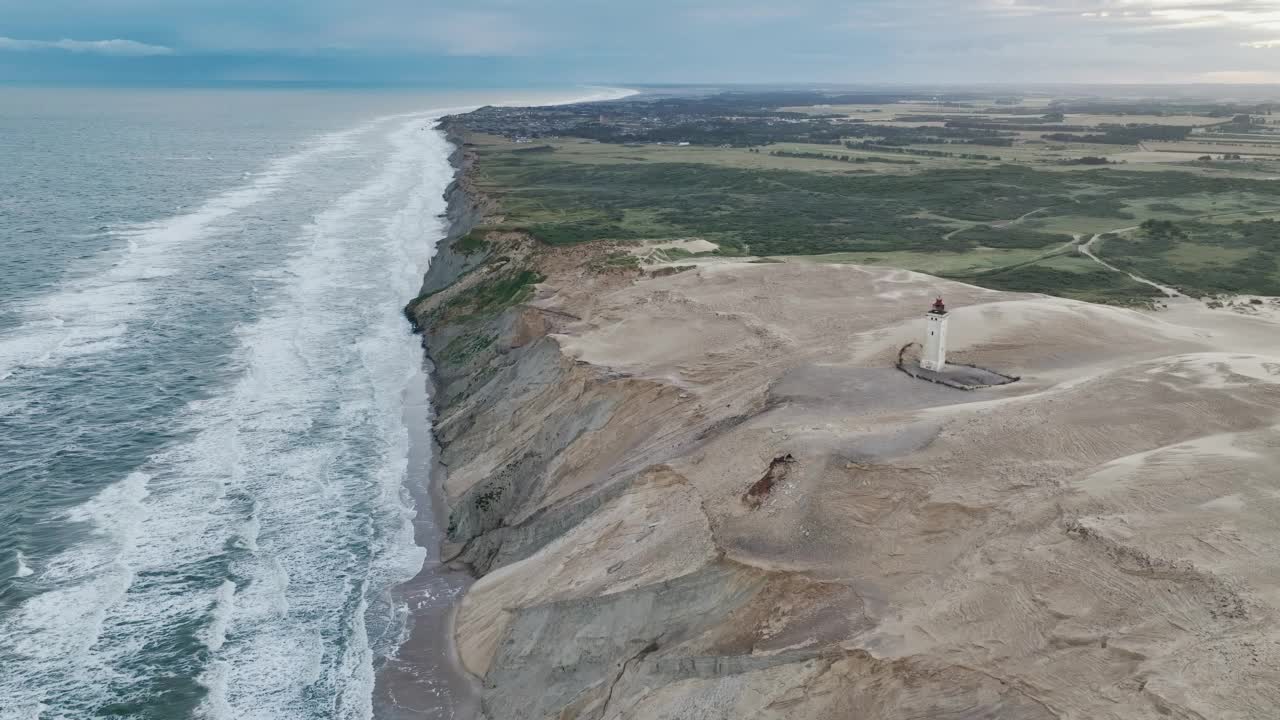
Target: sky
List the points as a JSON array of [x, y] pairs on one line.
[[518, 42]]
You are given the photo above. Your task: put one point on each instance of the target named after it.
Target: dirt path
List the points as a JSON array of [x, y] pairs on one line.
[[1087, 250], [1002, 224], [1019, 219]]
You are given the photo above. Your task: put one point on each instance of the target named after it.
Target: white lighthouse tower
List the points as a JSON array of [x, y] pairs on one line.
[[935, 338]]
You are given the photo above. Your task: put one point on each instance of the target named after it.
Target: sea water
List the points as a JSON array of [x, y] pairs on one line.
[[203, 369]]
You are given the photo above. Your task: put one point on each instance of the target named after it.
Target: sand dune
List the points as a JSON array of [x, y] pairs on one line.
[[764, 519]]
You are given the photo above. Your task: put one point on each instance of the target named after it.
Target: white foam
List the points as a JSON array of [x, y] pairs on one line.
[[214, 680], [52, 633], [90, 314], [295, 355], [278, 465], [298, 468], [223, 605], [322, 342], [24, 570]]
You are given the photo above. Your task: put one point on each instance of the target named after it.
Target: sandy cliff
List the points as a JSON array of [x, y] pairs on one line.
[[707, 493]]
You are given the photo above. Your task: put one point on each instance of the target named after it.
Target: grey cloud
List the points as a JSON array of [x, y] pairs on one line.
[[98, 47], [701, 40]]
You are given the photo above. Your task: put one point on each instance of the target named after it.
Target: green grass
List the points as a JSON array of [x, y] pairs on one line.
[[793, 212], [674, 253], [1202, 258], [1199, 256], [645, 223], [568, 233], [617, 260], [1011, 237], [947, 264], [1171, 209], [943, 217], [1072, 276], [473, 243], [492, 295]]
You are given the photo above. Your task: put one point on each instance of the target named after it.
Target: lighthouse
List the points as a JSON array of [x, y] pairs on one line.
[[935, 338]]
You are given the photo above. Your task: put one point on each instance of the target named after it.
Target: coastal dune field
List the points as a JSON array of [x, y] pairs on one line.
[[705, 491], [691, 481]]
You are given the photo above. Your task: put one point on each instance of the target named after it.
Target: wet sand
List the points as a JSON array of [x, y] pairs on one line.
[[424, 680]]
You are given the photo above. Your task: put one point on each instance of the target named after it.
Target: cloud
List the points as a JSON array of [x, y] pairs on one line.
[[96, 47], [1152, 15], [1108, 41], [482, 33], [1246, 77], [743, 13], [926, 41]]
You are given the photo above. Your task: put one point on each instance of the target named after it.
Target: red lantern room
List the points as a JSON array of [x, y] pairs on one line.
[[939, 308]]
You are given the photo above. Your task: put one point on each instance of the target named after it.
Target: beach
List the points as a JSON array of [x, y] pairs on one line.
[[422, 679]]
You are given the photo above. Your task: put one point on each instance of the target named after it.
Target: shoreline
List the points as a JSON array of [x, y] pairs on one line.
[[446, 690], [431, 598]]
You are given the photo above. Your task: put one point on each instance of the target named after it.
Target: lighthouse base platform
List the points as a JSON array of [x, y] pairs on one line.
[[958, 376]]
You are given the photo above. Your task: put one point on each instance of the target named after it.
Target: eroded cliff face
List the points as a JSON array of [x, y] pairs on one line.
[[706, 493]]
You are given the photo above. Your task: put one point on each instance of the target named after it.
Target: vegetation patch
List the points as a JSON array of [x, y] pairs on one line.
[[1123, 136], [966, 265], [674, 253], [568, 233], [841, 158], [670, 270], [491, 496], [790, 212], [1074, 277], [931, 153], [493, 295], [463, 348], [848, 185], [1201, 258], [1170, 208], [473, 243], [1011, 237], [616, 261]]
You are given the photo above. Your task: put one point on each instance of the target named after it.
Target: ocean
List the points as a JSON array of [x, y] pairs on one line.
[[206, 394]]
